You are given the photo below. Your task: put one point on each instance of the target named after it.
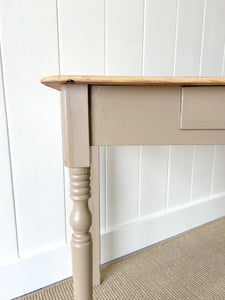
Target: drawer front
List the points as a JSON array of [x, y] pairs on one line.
[[202, 108]]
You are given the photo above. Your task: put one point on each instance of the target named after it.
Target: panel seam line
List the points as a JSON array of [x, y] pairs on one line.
[[10, 156], [63, 168], [143, 38], [202, 41], [176, 38]]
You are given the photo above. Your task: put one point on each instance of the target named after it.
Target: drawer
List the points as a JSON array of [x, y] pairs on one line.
[[202, 107]]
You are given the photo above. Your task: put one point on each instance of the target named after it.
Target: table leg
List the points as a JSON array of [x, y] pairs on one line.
[[95, 211], [76, 141], [81, 244]]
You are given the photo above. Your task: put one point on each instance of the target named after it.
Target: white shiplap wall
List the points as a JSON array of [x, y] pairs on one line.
[[148, 193]]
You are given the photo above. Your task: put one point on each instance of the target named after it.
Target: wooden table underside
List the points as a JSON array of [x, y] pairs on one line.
[[126, 111]]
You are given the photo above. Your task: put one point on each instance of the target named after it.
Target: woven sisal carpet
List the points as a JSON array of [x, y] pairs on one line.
[[189, 266]]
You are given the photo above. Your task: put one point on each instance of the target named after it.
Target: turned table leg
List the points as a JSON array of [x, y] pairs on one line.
[[76, 140], [81, 244]]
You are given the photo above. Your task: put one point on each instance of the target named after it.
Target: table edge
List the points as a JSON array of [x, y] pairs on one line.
[[57, 80]]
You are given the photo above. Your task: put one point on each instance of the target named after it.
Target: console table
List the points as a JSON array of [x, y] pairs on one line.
[[105, 110]]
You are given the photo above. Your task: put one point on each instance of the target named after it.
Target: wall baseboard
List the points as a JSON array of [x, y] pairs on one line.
[[148, 231], [32, 273]]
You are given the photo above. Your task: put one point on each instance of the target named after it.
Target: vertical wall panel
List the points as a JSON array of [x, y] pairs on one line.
[[202, 172], [180, 174], [189, 37], [214, 38], [159, 37], [29, 51], [7, 217], [124, 35], [187, 63], [122, 185], [219, 171], [81, 36], [154, 173]]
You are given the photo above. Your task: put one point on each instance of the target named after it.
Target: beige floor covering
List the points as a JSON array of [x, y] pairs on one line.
[[189, 266]]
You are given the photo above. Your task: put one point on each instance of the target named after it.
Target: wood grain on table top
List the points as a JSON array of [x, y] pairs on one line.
[[56, 81]]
